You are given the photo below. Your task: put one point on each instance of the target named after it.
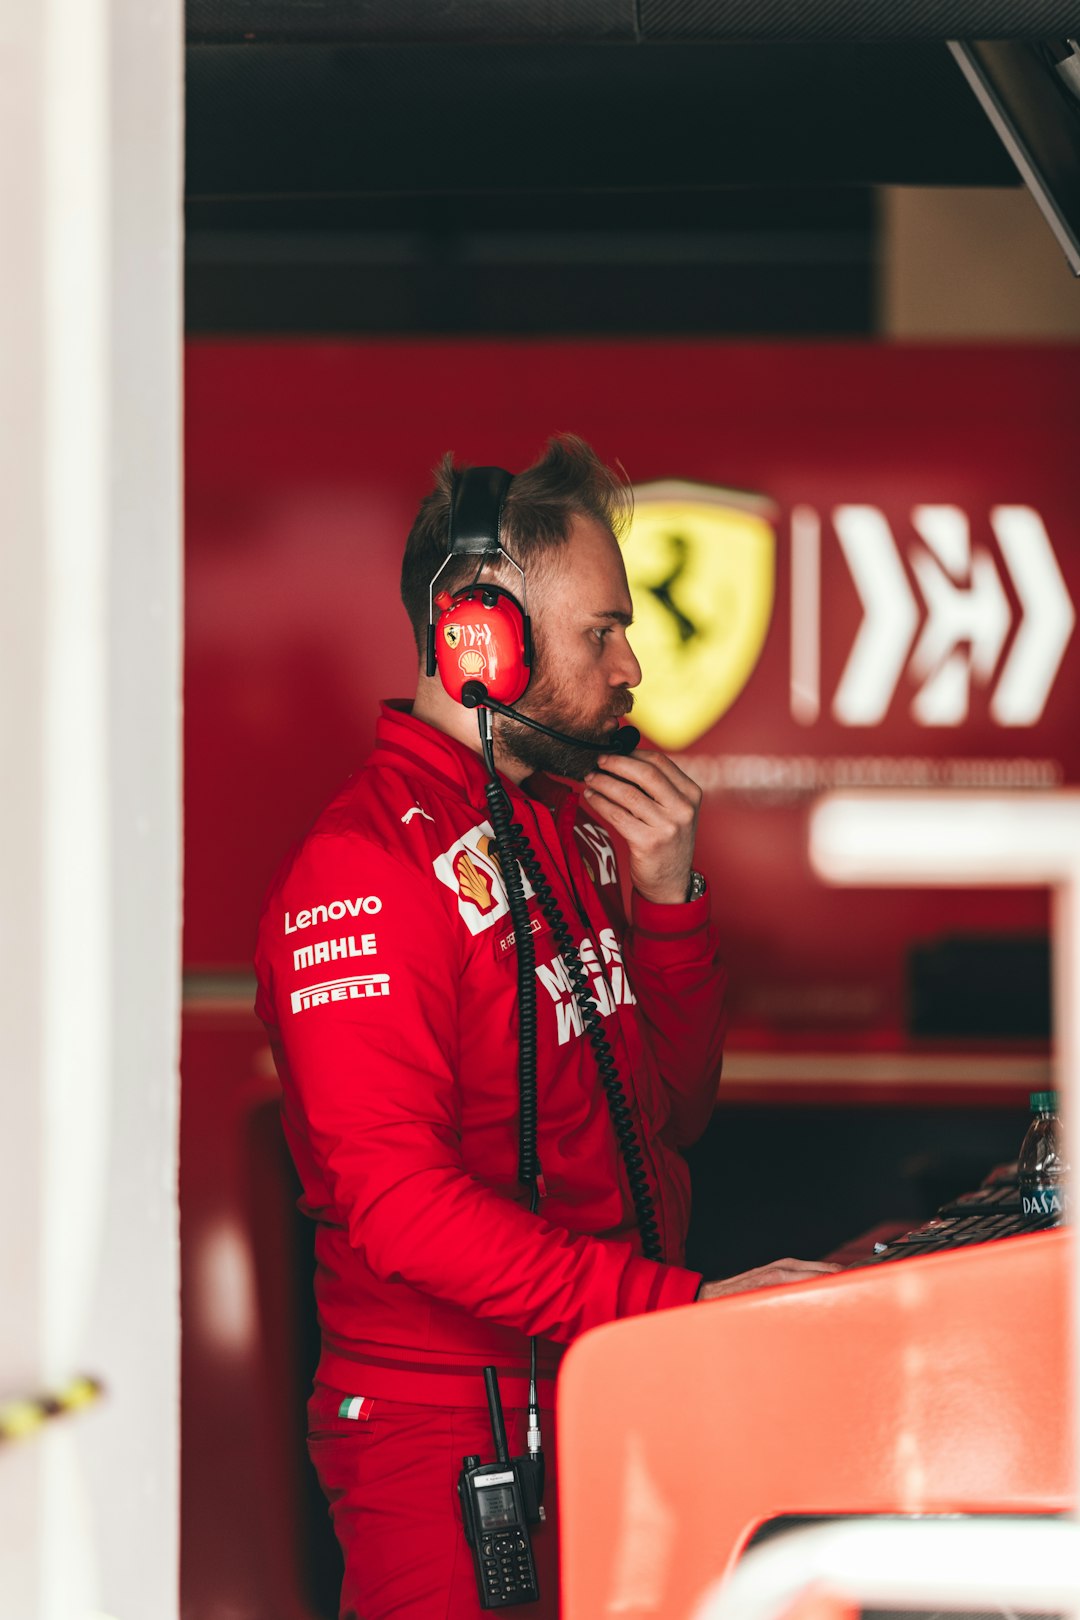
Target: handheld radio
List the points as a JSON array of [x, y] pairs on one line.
[[499, 1501]]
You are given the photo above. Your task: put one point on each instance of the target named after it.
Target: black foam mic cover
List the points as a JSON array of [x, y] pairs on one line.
[[624, 741]]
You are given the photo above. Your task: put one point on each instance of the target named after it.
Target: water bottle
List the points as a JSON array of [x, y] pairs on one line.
[[1043, 1164]]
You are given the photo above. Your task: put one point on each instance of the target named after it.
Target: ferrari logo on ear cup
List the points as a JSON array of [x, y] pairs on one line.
[[701, 563], [481, 636]]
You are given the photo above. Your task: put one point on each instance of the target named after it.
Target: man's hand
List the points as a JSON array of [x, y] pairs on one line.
[[770, 1276], [654, 806]]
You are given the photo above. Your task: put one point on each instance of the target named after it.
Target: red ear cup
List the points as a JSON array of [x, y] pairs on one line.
[[483, 640]]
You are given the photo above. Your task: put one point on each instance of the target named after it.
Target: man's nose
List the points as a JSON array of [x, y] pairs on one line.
[[628, 672]]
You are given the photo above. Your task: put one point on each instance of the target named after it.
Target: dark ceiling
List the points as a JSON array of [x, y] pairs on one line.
[[786, 22], [577, 165], [300, 121]]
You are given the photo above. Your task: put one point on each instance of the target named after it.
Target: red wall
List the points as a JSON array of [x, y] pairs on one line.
[[305, 464]]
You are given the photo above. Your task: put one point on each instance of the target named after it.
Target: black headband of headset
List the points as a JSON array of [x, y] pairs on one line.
[[475, 509], [476, 503]]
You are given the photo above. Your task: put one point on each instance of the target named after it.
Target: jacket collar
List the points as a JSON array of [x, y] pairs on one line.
[[457, 768]]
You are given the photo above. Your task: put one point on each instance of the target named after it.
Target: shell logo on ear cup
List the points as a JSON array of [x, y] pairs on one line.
[[482, 641]]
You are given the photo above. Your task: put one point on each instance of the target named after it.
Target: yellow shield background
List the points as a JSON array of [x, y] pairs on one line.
[[701, 562]]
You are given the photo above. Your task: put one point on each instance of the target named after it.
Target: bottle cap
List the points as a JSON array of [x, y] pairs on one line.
[[1043, 1102]]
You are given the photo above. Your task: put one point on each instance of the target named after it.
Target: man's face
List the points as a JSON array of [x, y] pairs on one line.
[[583, 666]]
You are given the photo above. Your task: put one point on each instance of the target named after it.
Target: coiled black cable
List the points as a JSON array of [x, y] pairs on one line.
[[528, 1163], [517, 855]]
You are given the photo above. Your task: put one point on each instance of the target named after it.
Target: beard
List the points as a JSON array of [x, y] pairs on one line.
[[558, 710]]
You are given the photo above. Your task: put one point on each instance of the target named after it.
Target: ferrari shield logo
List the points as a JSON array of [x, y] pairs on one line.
[[702, 569]]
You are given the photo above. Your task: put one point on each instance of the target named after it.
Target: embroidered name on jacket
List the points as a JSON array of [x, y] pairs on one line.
[[608, 982], [470, 868]]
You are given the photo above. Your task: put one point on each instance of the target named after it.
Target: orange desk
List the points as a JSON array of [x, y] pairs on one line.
[[932, 1385]]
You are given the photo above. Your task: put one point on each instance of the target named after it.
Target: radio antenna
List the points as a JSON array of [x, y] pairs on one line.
[[495, 1411]]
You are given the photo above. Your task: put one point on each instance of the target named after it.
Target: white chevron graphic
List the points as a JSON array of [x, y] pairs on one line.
[[1049, 616], [968, 616], [890, 616], [976, 612]]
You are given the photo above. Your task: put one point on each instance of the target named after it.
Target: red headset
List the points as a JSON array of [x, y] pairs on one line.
[[483, 632], [480, 636]]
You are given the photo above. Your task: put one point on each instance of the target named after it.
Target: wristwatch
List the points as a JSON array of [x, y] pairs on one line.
[[697, 887]]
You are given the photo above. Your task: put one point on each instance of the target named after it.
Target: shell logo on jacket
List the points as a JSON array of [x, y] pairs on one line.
[[470, 868]]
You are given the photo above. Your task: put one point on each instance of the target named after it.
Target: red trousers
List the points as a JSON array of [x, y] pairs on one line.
[[390, 1476]]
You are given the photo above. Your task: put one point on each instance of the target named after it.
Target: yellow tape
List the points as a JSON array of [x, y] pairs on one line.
[[24, 1417], [80, 1392]]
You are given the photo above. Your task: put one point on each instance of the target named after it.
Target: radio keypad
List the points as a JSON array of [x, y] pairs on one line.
[[505, 1560]]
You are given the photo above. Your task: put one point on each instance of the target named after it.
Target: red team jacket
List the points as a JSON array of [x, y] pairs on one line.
[[388, 983]]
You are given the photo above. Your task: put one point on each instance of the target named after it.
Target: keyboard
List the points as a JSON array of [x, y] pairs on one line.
[[992, 1212], [1000, 1200]]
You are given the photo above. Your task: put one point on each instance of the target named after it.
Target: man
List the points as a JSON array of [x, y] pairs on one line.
[[388, 981]]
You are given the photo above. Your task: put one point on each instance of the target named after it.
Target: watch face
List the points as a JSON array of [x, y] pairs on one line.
[[697, 886]]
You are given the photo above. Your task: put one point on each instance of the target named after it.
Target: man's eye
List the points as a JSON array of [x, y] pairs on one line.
[[601, 631]]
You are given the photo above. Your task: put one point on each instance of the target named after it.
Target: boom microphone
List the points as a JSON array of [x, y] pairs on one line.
[[474, 695]]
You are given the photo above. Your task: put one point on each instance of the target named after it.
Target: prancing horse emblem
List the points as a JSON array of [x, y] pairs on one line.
[[701, 564]]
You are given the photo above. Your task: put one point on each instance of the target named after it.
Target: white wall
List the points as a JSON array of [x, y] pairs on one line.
[[90, 634]]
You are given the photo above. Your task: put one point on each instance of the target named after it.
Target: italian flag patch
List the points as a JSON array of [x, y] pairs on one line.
[[356, 1406]]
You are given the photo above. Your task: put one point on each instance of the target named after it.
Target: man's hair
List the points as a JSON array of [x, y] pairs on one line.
[[568, 481]]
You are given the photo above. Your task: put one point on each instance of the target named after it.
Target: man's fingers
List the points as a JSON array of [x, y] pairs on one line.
[[648, 757], [775, 1275], [641, 775], [614, 814], [805, 1269], [639, 804], [641, 780], [674, 775], [804, 1266]]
